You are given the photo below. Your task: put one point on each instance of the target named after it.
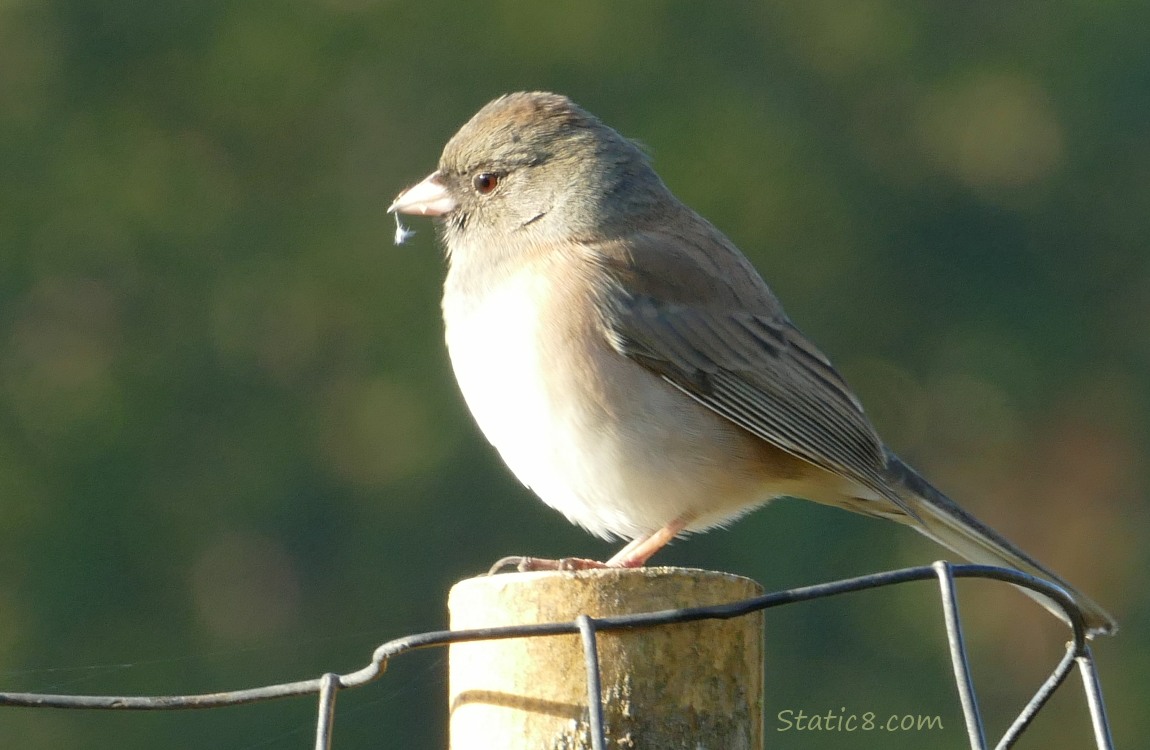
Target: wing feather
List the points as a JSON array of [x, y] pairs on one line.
[[748, 363]]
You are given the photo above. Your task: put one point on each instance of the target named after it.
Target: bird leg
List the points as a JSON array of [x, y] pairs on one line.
[[639, 550], [634, 555]]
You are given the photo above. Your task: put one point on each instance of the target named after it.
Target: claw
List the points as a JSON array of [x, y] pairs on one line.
[[528, 564]]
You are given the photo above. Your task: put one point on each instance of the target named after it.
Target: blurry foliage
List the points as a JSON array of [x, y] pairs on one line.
[[230, 448]]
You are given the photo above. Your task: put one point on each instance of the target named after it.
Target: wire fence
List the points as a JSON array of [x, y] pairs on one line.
[[327, 686]]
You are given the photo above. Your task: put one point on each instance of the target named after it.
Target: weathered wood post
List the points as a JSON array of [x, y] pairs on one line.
[[692, 685]]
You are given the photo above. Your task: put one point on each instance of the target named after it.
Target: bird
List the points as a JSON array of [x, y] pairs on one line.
[[628, 362]]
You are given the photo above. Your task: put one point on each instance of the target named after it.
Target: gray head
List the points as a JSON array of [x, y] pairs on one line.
[[536, 162]]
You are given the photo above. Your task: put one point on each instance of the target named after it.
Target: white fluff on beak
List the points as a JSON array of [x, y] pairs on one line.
[[402, 233], [428, 198]]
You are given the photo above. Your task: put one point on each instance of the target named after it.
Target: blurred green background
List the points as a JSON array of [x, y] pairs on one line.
[[231, 449]]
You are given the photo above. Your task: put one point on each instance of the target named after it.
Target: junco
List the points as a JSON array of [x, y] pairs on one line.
[[627, 361]]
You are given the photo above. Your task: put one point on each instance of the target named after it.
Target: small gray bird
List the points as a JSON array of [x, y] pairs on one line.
[[627, 361]]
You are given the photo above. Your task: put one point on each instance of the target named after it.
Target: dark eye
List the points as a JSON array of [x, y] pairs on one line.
[[485, 182]]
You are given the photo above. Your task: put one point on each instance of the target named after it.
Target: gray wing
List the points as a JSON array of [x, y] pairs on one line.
[[738, 354]]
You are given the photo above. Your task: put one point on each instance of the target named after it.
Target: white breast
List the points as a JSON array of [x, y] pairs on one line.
[[503, 352], [575, 421], [589, 431], [496, 361]]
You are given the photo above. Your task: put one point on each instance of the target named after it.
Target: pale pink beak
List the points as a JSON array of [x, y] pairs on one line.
[[428, 198]]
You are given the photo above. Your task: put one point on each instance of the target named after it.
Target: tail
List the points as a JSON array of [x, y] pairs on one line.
[[941, 519]]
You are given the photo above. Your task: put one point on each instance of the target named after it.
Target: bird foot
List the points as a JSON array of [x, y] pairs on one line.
[[527, 564]]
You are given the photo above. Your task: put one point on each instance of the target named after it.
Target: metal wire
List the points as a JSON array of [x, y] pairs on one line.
[[1093, 687], [958, 660], [327, 686], [594, 684], [325, 725], [1057, 677]]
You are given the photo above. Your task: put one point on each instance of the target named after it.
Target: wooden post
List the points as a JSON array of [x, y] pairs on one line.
[[691, 685]]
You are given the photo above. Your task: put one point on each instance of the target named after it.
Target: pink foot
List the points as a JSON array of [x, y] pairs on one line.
[[634, 555], [526, 564]]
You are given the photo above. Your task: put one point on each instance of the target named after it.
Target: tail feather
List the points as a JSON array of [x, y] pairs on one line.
[[940, 518]]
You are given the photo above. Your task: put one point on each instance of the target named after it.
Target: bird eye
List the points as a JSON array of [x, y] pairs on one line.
[[485, 182]]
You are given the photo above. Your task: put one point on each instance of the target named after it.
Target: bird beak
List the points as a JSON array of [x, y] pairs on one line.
[[428, 198]]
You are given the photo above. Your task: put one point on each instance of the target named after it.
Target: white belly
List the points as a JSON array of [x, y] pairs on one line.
[[604, 456]]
